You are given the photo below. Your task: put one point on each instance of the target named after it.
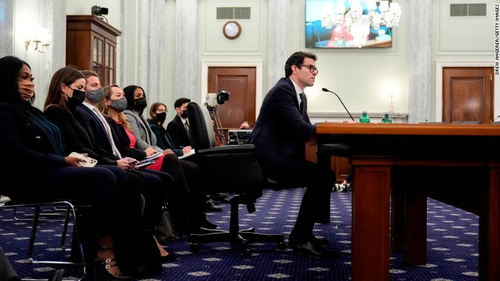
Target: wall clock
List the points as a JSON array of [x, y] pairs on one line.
[[231, 29]]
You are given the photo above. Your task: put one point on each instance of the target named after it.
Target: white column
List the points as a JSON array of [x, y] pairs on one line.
[[420, 60], [278, 43], [55, 14], [149, 47], [186, 56], [7, 28]]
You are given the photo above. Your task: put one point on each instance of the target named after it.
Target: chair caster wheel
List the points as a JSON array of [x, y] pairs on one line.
[[246, 252], [281, 246], [194, 248]]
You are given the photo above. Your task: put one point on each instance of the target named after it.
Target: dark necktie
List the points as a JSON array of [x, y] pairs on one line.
[[302, 102]]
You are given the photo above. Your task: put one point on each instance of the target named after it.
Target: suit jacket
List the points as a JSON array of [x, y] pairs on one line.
[[281, 130], [24, 143], [178, 132], [78, 135], [140, 128], [97, 128]]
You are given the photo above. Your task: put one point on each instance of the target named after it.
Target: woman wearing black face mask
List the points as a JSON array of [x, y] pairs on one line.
[[158, 113], [145, 138], [80, 138], [66, 92]]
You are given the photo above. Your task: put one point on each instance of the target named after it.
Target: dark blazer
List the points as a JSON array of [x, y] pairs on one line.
[[23, 143], [163, 139], [178, 132], [97, 128], [78, 135], [29, 160], [281, 130]]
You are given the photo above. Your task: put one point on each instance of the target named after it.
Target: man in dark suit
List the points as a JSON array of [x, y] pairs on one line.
[[279, 135], [103, 135], [178, 128]]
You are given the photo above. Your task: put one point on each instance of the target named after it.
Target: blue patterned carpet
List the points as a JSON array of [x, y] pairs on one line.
[[452, 246]]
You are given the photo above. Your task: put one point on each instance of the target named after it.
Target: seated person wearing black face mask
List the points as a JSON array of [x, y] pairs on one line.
[[158, 114], [178, 128]]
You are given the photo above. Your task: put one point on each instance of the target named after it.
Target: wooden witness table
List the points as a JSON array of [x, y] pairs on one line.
[[388, 160]]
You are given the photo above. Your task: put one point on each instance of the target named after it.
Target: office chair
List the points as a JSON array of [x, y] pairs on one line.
[[71, 210], [232, 169]]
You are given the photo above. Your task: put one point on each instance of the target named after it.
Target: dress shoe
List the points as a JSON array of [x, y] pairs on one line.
[[315, 240], [310, 249], [215, 202], [320, 241], [210, 207], [221, 197]]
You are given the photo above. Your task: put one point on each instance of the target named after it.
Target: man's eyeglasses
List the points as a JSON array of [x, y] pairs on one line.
[[311, 67]]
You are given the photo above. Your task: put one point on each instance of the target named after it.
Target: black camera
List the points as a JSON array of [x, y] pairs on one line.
[[220, 97], [99, 11]]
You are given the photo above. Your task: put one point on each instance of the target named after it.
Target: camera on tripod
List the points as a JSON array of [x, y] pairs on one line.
[[214, 99], [99, 11]]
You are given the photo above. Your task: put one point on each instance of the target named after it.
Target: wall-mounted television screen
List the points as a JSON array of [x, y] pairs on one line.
[[329, 26]]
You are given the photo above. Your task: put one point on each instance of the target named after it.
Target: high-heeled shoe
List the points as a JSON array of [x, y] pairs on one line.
[[103, 266]]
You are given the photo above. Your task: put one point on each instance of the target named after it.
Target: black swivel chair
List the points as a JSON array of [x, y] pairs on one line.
[[231, 169]]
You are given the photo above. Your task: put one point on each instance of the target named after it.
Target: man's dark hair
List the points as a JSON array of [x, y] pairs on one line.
[[87, 73], [297, 59], [180, 101]]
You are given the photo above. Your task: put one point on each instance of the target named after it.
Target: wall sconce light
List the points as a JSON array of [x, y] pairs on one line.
[[39, 40]]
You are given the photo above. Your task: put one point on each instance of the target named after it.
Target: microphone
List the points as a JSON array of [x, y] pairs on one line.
[[326, 90]]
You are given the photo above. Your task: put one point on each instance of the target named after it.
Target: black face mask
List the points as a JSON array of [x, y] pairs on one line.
[[140, 104], [184, 114], [161, 117], [77, 98]]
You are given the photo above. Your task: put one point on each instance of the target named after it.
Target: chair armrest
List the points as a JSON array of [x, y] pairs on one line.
[[244, 148]]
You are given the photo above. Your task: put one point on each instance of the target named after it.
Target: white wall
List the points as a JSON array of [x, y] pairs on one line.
[[460, 42], [27, 15], [363, 78]]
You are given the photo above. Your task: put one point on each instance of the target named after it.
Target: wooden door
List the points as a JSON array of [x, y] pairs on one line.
[[240, 82], [468, 94]]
